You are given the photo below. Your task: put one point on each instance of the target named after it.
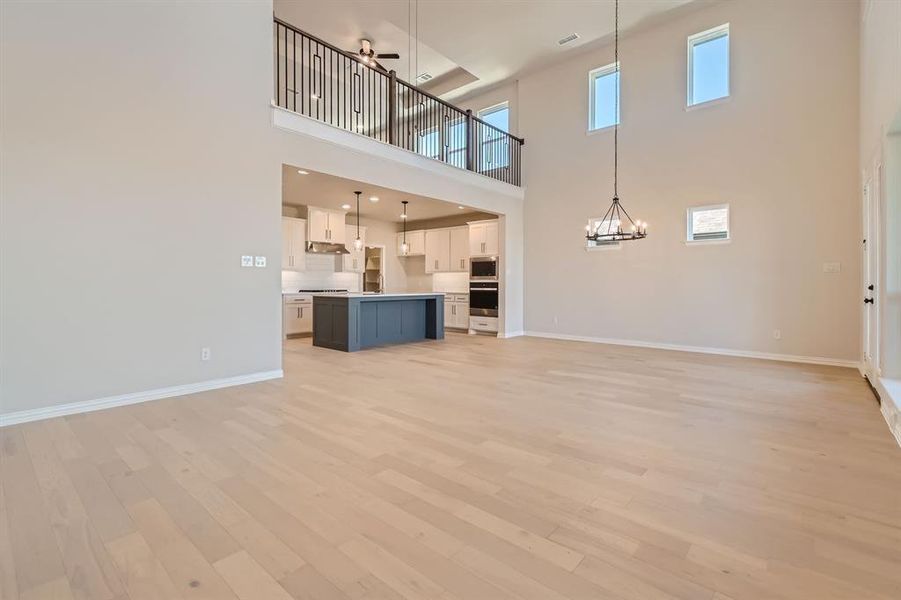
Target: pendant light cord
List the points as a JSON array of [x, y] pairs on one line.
[[616, 103], [358, 214]]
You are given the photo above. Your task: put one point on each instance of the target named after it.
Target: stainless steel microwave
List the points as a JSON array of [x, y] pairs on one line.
[[483, 268]]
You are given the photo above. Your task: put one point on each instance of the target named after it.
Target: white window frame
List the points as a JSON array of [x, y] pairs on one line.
[[699, 38], [483, 143], [689, 235], [591, 246], [592, 76]]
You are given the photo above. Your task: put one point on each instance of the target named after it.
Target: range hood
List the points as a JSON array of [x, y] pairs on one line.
[[326, 248]]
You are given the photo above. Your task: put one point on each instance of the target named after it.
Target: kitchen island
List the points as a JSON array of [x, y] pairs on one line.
[[352, 322]]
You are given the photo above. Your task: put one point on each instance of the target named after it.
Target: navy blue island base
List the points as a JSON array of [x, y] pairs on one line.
[[352, 322]]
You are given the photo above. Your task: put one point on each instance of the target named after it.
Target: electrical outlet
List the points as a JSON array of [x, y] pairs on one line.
[[832, 267], [555, 319], [259, 261], [777, 334], [204, 354], [246, 261]]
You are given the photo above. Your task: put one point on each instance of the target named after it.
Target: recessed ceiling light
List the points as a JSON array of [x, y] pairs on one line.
[[373, 198], [345, 206], [461, 207], [302, 172], [403, 216]]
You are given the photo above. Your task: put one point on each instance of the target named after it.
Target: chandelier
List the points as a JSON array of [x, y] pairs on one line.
[[610, 227]]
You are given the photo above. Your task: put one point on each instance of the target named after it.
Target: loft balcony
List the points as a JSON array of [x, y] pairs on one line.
[[318, 80]]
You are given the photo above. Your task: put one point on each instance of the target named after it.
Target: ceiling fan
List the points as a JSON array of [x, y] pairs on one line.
[[368, 55]]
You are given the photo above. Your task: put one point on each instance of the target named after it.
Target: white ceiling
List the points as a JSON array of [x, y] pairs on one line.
[[493, 40], [329, 191]]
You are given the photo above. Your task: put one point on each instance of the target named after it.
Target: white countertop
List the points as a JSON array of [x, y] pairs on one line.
[[399, 295]]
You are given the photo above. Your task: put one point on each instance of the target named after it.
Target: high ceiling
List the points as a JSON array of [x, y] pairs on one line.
[[467, 45], [328, 191]]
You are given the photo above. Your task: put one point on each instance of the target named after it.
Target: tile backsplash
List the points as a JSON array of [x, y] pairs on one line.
[[320, 273]]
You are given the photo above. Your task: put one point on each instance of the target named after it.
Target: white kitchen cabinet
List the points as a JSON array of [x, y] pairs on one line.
[[294, 244], [459, 249], [437, 250], [483, 238], [449, 318], [355, 262], [416, 241], [325, 225], [456, 311], [298, 315], [486, 324]]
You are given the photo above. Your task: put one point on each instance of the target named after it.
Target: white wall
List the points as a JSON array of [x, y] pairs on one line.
[[782, 151], [133, 180]]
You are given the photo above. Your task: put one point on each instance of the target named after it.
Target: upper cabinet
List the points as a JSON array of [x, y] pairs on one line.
[[326, 225], [483, 238], [355, 261], [293, 244], [437, 250], [416, 242], [446, 250], [459, 249]]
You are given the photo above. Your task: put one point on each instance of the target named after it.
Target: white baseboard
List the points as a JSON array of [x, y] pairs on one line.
[[813, 360], [890, 400], [61, 410], [512, 334]]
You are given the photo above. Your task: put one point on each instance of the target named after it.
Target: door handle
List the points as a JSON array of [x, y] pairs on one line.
[[868, 301], [870, 287]]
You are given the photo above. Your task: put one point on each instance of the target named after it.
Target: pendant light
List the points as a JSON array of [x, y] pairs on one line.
[[358, 243], [613, 232], [404, 247]]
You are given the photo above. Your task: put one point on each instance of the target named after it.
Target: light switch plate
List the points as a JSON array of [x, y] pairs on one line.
[[246, 261], [832, 267], [259, 261]]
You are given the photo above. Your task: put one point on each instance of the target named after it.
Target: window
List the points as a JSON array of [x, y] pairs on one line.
[[708, 223], [603, 97], [494, 146], [708, 65], [454, 141], [597, 225]]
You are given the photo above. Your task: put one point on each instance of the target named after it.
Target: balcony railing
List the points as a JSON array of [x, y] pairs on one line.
[[318, 80]]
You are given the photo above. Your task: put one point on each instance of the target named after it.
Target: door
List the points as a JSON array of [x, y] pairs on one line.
[[871, 224], [318, 220], [459, 249]]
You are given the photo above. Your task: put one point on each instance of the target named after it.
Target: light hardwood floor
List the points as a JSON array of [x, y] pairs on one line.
[[470, 469]]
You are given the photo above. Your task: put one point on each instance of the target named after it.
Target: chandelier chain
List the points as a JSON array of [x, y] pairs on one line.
[[616, 101]]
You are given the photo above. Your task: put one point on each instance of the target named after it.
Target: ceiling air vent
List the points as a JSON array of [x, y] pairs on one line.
[[568, 39], [423, 77]]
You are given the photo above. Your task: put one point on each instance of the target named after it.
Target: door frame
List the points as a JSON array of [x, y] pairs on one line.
[[871, 270]]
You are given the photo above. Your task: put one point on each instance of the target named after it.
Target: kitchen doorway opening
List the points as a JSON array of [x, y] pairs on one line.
[[374, 269]]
